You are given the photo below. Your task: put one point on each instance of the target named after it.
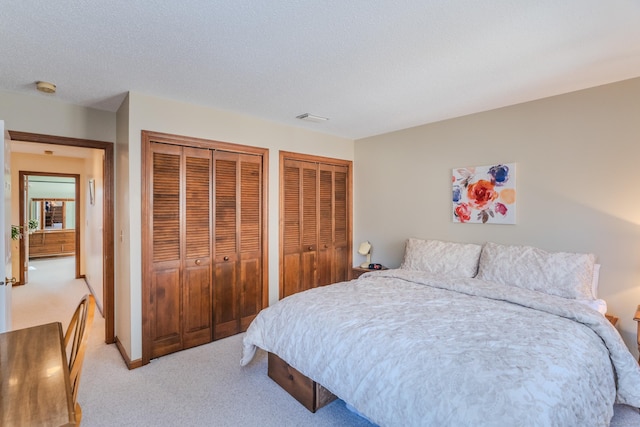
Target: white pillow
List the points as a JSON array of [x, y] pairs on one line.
[[445, 258], [595, 279], [598, 305], [564, 274]]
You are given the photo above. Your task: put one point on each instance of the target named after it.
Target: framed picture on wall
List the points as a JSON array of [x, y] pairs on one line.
[[484, 194], [92, 191]]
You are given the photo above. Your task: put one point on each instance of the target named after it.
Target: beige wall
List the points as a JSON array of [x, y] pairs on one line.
[[92, 227], [122, 274], [577, 182], [45, 114], [161, 115]]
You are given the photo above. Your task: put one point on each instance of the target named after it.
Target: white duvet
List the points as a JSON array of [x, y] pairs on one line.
[[409, 349]]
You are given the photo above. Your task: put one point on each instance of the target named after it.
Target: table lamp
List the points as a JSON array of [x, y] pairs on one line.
[[365, 249]]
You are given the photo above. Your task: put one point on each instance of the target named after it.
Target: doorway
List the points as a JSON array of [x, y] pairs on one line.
[[50, 211], [107, 212]]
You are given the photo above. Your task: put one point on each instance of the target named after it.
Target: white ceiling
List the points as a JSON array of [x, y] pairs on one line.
[[371, 66]]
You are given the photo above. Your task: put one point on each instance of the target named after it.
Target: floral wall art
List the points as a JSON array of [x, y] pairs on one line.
[[485, 194]]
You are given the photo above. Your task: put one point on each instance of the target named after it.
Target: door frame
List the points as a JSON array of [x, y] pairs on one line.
[[22, 209], [108, 238], [5, 239]]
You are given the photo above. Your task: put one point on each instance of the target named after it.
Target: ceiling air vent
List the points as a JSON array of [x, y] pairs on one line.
[[311, 118]]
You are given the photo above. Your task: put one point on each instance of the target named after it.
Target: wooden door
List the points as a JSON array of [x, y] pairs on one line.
[[165, 295], [315, 222], [5, 234], [238, 242], [196, 264], [204, 240], [180, 278], [250, 240], [342, 223], [333, 260], [299, 226]]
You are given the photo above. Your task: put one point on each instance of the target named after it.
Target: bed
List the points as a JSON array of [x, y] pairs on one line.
[[460, 335]]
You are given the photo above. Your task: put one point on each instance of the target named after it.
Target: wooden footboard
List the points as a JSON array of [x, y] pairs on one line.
[[306, 391]]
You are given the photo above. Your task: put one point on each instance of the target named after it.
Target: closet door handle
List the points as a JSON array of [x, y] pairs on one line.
[[310, 248], [226, 258], [198, 262]]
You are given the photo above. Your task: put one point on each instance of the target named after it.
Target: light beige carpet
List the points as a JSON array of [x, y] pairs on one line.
[[51, 295]]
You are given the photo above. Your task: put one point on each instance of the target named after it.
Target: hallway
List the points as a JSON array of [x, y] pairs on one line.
[[51, 295]]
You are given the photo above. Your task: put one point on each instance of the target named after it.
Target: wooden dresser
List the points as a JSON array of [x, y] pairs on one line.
[[52, 243]]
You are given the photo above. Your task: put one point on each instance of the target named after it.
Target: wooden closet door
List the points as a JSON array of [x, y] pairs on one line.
[[180, 289], [238, 242], [300, 226], [165, 295], [342, 223], [196, 273], [333, 247], [315, 222], [250, 239], [203, 240]]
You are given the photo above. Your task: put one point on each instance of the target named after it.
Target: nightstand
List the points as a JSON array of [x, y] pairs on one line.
[[359, 271], [613, 319]]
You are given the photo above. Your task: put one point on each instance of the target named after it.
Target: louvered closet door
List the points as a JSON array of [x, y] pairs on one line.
[[238, 242], [333, 260], [300, 226], [196, 283], [180, 290], [165, 293]]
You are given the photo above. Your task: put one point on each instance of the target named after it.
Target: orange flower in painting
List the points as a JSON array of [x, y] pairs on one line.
[[508, 195], [481, 193]]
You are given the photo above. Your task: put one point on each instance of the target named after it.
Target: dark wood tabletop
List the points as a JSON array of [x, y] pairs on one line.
[[34, 378]]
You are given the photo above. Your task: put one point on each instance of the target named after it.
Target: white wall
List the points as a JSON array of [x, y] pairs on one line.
[[161, 115], [577, 182], [52, 190]]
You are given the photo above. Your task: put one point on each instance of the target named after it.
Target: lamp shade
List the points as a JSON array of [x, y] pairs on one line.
[[365, 248]]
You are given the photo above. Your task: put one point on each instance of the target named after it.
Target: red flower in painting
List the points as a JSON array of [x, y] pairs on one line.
[[480, 193], [463, 212]]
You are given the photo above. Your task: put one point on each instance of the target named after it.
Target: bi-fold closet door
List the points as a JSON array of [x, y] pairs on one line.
[[315, 216], [237, 290], [203, 246]]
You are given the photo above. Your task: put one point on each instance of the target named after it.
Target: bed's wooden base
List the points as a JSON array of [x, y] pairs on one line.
[[306, 391]]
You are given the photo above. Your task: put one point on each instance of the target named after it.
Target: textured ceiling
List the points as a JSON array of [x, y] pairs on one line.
[[371, 66]]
